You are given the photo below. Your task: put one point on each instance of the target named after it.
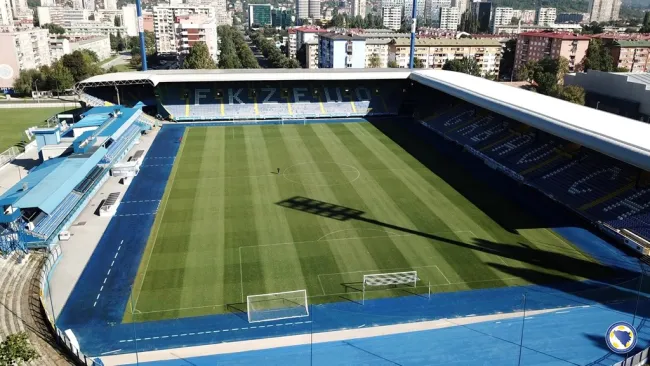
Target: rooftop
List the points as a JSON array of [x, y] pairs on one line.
[[342, 37], [644, 44], [448, 42], [556, 35]]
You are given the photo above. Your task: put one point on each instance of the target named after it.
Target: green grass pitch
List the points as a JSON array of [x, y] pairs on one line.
[[348, 201], [16, 120]]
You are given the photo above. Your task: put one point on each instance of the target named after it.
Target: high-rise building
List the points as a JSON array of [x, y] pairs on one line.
[[604, 10], [461, 5], [482, 12], [22, 50], [546, 16], [130, 19], [502, 16], [314, 9], [408, 8], [338, 51], [89, 4], [195, 28], [62, 16], [6, 13], [359, 8], [432, 10], [449, 18], [525, 16], [392, 17], [164, 18], [259, 15], [110, 4], [307, 9], [377, 52], [534, 46]]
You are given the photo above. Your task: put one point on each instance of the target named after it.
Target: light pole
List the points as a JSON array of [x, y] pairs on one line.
[[35, 83], [523, 322]]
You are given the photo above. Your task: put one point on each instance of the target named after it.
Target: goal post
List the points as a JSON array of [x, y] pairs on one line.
[[277, 306], [389, 279]]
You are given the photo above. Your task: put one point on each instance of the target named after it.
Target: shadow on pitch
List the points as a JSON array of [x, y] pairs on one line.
[[239, 309], [551, 269]]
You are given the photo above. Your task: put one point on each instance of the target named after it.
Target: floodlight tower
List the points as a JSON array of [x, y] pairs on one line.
[[414, 22], [143, 51]]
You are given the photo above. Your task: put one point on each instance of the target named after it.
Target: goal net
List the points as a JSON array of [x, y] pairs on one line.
[[389, 279], [277, 306]]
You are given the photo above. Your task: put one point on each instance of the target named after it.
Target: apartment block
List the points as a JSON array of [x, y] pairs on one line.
[[435, 52], [164, 18], [338, 51], [419, 7], [191, 29], [259, 15], [298, 36], [359, 8], [632, 55], [534, 46], [377, 49], [604, 10], [392, 17], [22, 50], [449, 18], [90, 28], [311, 53], [6, 13], [502, 16], [101, 45], [546, 16]]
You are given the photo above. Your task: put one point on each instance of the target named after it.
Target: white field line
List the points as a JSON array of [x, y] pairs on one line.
[[341, 293], [162, 213], [241, 276], [389, 233], [304, 339]]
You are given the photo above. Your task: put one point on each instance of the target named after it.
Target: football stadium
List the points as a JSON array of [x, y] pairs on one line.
[[337, 217]]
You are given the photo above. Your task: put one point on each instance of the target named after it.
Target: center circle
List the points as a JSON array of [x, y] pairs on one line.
[[322, 174]]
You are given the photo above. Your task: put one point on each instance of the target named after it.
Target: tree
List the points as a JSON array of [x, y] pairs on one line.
[[418, 63], [16, 349], [507, 64], [24, 83], [464, 65], [54, 28], [60, 78], [598, 57], [117, 21], [199, 57], [573, 94], [393, 64], [375, 62], [82, 64], [645, 28], [622, 69], [593, 28], [546, 83]]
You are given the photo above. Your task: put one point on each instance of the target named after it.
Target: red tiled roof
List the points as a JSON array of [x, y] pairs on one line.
[[568, 36]]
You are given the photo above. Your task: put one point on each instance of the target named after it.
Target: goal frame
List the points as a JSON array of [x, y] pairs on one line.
[[303, 296], [399, 278]]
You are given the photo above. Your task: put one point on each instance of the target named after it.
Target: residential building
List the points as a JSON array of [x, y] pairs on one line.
[[18, 6], [399, 3], [130, 20], [358, 8], [22, 50], [408, 8], [63, 16], [300, 35], [281, 18], [482, 11], [6, 13], [311, 54], [525, 16], [377, 51], [570, 18], [534, 46], [392, 17], [90, 28], [110, 4], [435, 52], [337, 51], [449, 18], [259, 15], [89, 5], [502, 16], [432, 10], [101, 45], [164, 18], [546, 16], [604, 10], [147, 20], [302, 10], [58, 48], [314, 9], [191, 29], [631, 55], [48, 3], [462, 5], [523, 28]]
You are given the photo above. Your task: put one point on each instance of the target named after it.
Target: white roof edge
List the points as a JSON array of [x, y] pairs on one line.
[[171, 76], [622, 138]]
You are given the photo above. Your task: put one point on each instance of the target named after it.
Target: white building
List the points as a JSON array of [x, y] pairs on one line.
[[462, 5], [58, 48], [90, 28], [6, 13], [432, 10], [89, 5], [164, 17], [359, 8], [101, 45], [408, 8], [130, 19], [62, 16], [311, 54], [546, 16], [314, 9], [22, 50], [502, 16], [377, 48], [110, 4], [48, 3], [392, 17], [449, 18], [338, 51], [516, 29], [191, 29], [604, 10]]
